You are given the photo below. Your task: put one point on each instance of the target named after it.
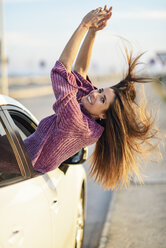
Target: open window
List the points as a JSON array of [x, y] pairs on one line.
[[14, 132], [24, 126], [9, 168]]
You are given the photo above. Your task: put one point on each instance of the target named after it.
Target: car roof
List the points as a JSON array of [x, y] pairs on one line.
[[6, 100]]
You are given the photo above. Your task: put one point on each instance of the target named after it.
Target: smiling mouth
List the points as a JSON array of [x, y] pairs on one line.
[[89, 99]]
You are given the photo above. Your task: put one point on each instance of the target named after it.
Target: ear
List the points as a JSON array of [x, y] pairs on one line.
[[102, 116]]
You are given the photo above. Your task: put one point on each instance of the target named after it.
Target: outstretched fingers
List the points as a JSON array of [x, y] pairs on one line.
[[97, 18], [104, 19], [106, 9], [99, 11], [102, 25], [106, 12]]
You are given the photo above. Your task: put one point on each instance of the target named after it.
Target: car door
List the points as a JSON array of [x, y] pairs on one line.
[[60, 187], [24, 211]]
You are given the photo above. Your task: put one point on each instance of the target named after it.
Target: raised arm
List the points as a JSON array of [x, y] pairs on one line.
[[84, 56], [91, 20]]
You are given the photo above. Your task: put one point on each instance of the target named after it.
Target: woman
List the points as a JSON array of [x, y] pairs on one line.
[[85, 115]]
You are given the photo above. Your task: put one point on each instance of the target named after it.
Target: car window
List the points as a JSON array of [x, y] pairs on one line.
[[24, 124], [8, 164], [26, 127]]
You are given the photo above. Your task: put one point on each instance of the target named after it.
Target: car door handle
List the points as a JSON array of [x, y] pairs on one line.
[[55, 206], [16, 237]]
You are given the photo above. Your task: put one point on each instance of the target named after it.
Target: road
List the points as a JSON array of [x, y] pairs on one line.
[[97, 199]]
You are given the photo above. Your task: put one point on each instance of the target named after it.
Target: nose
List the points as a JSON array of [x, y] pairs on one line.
[[95, 94]]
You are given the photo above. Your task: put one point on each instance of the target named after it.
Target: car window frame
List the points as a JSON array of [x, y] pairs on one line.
[[18, 147], [10, 108], [7, 110]]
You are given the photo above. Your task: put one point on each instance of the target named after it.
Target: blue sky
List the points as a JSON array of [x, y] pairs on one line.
[[38, 30]]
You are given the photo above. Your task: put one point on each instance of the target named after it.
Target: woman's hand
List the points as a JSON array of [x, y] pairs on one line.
[[94, 21], [97, 19], [102, 24]]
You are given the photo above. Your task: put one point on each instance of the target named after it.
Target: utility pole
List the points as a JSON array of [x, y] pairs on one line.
[[3, 59]]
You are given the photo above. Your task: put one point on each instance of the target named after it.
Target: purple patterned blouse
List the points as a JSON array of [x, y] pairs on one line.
[[69, 129]]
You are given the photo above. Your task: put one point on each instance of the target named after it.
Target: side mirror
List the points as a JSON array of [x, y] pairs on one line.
[[78, 158], [85, 154]]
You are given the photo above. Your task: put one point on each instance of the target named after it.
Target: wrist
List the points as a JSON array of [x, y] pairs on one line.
[[92, 32], [84, 25]]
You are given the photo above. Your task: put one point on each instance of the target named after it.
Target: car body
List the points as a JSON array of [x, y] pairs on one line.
[[38, 210]]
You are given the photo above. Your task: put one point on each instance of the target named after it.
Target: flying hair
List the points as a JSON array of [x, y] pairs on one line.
[[129, 135]]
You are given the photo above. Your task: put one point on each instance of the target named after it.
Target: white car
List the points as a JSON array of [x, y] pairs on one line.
[[37, 210]]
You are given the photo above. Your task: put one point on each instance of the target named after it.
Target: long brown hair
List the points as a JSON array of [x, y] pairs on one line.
[[127, 135]]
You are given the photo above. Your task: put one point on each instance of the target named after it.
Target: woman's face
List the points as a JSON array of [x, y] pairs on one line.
[[98, 101]]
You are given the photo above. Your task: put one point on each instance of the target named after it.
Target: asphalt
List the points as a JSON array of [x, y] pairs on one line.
[[137, 215]]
